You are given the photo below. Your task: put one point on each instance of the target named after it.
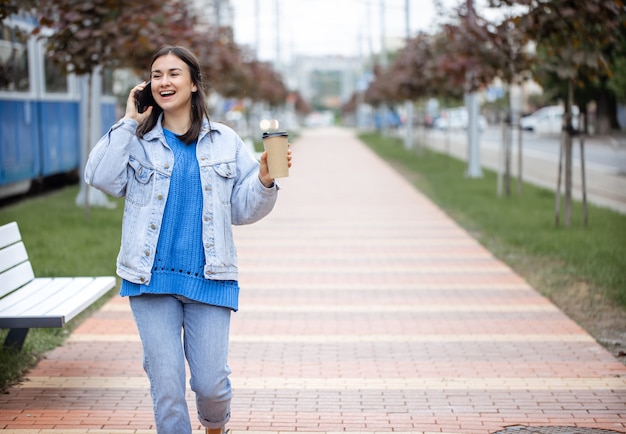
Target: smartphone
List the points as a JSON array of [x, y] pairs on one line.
[[144, 98]]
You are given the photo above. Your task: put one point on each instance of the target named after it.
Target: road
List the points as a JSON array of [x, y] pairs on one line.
[[598, 151], [605, 161]]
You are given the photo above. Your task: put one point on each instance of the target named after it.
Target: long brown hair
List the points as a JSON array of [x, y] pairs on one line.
[[198, 104]]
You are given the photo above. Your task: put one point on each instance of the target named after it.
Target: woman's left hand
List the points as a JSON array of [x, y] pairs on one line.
[[264, 173]]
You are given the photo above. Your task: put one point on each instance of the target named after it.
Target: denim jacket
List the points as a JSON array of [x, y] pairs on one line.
[[122, 164]]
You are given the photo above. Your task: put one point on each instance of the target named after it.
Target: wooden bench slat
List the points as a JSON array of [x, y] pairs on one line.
[[83, 297], [15, 277], [26, 294], [12, 255], [34, 299], [9, 234], [63, 292], [52, 299]]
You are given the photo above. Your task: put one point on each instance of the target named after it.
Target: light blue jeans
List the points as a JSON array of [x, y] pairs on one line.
[[161, 320]]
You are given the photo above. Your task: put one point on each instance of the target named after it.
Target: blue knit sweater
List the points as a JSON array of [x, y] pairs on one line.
[[179, 262]]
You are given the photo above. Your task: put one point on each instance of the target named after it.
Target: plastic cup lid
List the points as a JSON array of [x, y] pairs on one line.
[[275, 134]]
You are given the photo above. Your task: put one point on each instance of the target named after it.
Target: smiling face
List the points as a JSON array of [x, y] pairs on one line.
[[172, 85]]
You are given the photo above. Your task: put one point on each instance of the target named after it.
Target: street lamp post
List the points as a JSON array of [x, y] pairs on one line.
[[471, 101], [408, 139]]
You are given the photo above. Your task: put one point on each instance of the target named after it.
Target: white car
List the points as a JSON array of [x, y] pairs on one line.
[[548, 120]]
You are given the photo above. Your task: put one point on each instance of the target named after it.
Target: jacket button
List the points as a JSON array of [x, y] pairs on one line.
[[147, 252], [160, 197], [142, 279], [153, 226], [167, 166]]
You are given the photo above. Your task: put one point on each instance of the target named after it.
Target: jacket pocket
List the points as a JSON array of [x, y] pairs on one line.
[[140, 183], [224, 180]]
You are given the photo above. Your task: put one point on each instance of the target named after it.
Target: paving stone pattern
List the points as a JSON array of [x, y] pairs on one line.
[[364, 308]]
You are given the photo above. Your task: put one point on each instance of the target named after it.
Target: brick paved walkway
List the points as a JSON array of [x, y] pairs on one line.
[[364, 309]]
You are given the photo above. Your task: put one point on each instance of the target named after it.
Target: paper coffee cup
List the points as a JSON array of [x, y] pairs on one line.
[[276, 145]]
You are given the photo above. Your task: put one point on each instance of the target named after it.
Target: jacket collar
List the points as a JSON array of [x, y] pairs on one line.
[[157, 132]]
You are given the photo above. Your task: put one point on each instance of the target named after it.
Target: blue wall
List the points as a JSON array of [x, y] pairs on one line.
[[19, 141], [60, 137], [42, 138]]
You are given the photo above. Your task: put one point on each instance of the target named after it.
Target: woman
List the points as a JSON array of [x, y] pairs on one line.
[[186, 181]]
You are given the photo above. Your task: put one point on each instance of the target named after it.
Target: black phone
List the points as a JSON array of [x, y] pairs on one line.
[[144, 98]]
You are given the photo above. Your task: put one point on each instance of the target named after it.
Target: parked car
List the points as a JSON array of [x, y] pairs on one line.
[[457, 119], [548, 120]]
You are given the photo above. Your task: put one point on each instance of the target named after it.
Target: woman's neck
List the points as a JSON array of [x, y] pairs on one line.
[[178, 123]]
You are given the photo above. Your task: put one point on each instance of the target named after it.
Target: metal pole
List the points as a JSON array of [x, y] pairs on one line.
[[584, 179], [507, 158], [471, 100], [383, 36], [217, 4], [257, 30], [370, 42], [568, 154], [501, 162], [408, 139], [557, 201], [277, 34], [473, 169], [383, 63], [520, 155]]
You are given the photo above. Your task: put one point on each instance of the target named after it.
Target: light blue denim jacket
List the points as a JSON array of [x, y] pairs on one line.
[[122, 164]]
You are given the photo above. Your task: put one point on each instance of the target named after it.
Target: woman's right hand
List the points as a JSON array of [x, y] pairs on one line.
[[131, 105]]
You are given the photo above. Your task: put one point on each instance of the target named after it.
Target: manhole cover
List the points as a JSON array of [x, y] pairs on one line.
[[553, 430]]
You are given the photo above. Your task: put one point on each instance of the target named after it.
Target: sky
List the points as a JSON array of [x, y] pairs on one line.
[[328, 27]]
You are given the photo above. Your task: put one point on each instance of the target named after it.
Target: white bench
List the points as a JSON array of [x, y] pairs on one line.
[[27, 302]]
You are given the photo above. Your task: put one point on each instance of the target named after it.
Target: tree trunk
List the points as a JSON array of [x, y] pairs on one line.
[[507, 157], [605, 113], [565, 162], [568, 153], [520, 155], [88, 136]]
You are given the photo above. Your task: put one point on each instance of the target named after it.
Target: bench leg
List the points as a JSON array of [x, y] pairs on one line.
[[16, 338]]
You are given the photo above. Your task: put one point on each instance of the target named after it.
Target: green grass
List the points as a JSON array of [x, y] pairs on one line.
[[520, 229], [61, 241]]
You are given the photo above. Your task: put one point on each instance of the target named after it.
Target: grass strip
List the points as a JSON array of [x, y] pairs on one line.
[[520, 230]]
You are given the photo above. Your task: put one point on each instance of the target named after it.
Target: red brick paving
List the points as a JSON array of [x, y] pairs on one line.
[[364, 309]]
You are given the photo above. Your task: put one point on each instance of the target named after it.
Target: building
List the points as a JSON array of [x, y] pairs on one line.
[[213, 13], [325, 82]]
